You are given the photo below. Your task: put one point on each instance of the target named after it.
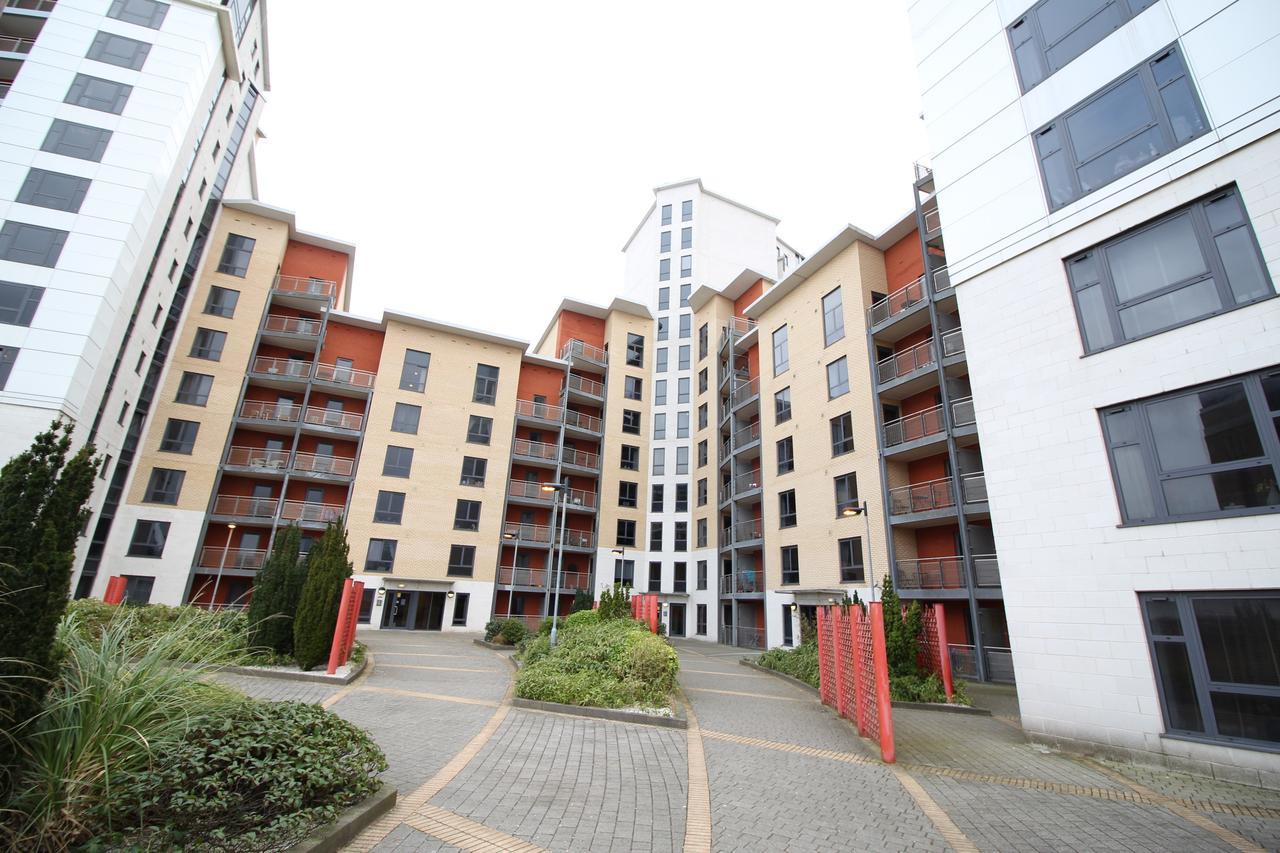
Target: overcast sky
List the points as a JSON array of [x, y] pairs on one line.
[[488, 159]]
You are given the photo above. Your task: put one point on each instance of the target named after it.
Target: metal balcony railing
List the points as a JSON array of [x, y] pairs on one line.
[[932, 221], [749, 581], [962, 413], [281, 368], [212, 557], [529, 491], [589, 387], [315, 513], [242, 506], [281, 324], [584, 422], [5, 86], [906, 361], [258, 457], [749, 434], [744, 392], [930, 573], [999, 664], [317, 416], [747, 531], [260, 410], [964, 660], [897, 302], [724, 451], [952, 342], [32, 5], [743, 638], [532, 621], [941, 281], [541, 578], [973, 487], [580, 498], [11, 44], [914, 426], [293, 285], [580, 458], [922, 171], [514, 533], [581, 349], [986, 570], [534, 449], [922, 497], [348, 376], [538, 411], [312, 463], [747, 482]]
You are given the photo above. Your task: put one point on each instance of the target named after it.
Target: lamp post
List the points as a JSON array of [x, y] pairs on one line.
[[559, 490], [862, 510], [222, 564], [515, 561], [622, 558]]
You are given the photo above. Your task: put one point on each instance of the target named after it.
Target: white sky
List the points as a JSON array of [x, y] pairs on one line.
[[491, 158]]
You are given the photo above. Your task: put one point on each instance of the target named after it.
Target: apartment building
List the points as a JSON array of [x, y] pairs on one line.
[[1107, 174], [121, 124]]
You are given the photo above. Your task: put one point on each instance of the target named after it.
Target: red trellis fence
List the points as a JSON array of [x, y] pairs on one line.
[[344, 633], [853, 670], [933, 645]]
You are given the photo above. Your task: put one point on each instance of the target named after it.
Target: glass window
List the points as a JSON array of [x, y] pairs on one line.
[[701, 628], [702, 491], [682, 497], [684, 357], [846, 493], [664, 298], [53, 190], [685, 290], [682, 425], [686, 238], [790, 564], [664, 241], [1142, 116], [76, 140], [655, 538], [786, 456], [137, 589], [144, 13], [702, 453], [405, 418], [631, 421], [702, 575], [221, 302], [842, 434], [413, 373], [664, 328], [473, 471], [632, 387], [165, 486], [18, 303], [1198, 261], [682, 460], [655, 576], [479, 429], [681, 536], [664, 269], [466, 515], [838, 377], [194, 388], [486, 387], [624, 572], [1197, 454], [148, 539], [208, 344], [626, 535], [381, 556], [787, 508], [8, 355], [398, 461], [686, 325], [1054, 32], [832, 317], [686, 210], [661, 366], [704, 343], [666, 214], [850, 550], [118, 50], [782, 406], [95, 93], [659, 460], [630, 460], [781, 356], [628, 494], [179, 436], [686, 266], [31, 244], [660, 425], [461, 604], [703, 415], [680, 577], [389, 508], [660, 392], [236, 254], [462, 559], [635, 350]]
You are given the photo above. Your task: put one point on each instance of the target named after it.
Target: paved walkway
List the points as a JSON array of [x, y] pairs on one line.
[[762, 767]]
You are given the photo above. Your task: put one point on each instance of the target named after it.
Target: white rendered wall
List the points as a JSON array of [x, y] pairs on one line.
[[478, 608]]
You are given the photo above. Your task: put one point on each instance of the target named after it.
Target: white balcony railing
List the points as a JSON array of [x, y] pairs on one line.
[[930, 573], [313, 513], [213, 557], [962, 413], [588, 387], [518, 534], [747, 482], [580, 421], [576, 349], [348, 376], [281, 324], [260, 410], [258, 457], [313, 463], [914, 426], [538, 410], [335, 418], [281, 368], [922, 497], [243, 506], [293, 285], [749, 434], [905, 362], [952, 343]]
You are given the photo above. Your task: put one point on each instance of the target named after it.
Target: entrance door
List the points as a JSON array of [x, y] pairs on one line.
[[396, 612], [675, 620], [418, 611], [429, 615]]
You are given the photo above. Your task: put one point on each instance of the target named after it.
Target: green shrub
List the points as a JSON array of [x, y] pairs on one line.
[[491, 629], [260, 777], [214, 630], [582, 600], [800, 662], [535, 647], [511, 632], [328, 565], [608, 663], [275, 602], [916, 688], [615, 602]]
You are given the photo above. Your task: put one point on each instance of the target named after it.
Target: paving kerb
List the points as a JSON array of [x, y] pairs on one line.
[[349, 824], [676, 721]]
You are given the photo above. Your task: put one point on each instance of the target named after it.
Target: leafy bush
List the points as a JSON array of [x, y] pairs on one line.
[[260, 777], [615, 602], [582, 600], [916, 688], [600, 662], [510, 632], [800, 662], [901, 633], [215, 630]]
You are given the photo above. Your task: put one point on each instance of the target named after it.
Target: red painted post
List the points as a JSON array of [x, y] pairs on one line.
[[888, 752], [353, 617], [824, 649], [335, 651], [653, 613], [839, 620], [944, 654], [115, 590]]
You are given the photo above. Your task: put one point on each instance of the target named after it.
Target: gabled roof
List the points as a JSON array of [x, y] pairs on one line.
[[454, 329], [704, 191], [590, 309]]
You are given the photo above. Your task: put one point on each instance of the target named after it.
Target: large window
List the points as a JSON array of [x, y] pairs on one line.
[[208, 344], [624, 572], [790, 564], [23, 243], [666, 214], [413, 373], [462, 560], [655, 536], [787, 508], [680, 577], [194, 388], [842, 434], [664, 269], [851, 570], [782, 406], [479, 429], [781, 355], [405, 418], [832, 317], [76, 140], [466, 515], [664, 241], [846, 493], [626, 535], [165, 486], [221, 302], [18, 303], [686, 210], [629, 459], [120, 51], [655, 576], [838, 377], [1216, 663], [1054, 32], [1144, 115], [1195, 262], [398, 462], [631, 421], [632, 387], [148, 539], [9, 355], [661, 366], [95, 93], [144, 13], [486, 388], [686, 266], [235, 255], [381, 556], [1201, 453], [179, 436], [627, 494], [389, 508], [54, 190], [473, 471], [786, 455], [681, 536]]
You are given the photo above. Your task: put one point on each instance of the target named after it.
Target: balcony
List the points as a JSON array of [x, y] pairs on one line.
[[241, 506], [942, 282], [542, 578], [744, 484], [952, 343], [20, 46], [279, 324], [580, 459], [930, 573], [526, 491], [576, 350], [929, 496], [932, 222], [746, 437], [740, 332], [259, 410], [257, 459], [305, 512], [534, 451], [582, 388], [518, 535], [906, 362], [747, 531], [348, 378], [962, 414], [986, 570], [292, 371], [536, 410], [743, 638], [317, 416], [913, 427], [583, 423], [212, 557], [299, 287], [744, 392], [325, 466], [964, 663], [973, 488], [898, 303], [747, 582]]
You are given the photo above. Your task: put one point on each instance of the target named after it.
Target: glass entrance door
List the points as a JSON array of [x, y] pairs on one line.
[[417, 611], [675, 620]]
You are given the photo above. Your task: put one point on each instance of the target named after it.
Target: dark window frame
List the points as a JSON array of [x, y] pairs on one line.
[[789, 562], [788, 519], [486, 385], [148, 541], [1028, 30], [388, 507], [851, 570], [382, 562], [476, 434], [462, 561], [164, 486], [466, 515], [787, 461], [25, 299], [237, 253]]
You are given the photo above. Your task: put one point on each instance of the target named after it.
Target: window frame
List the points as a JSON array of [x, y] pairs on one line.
[[475, 436], [854, 545], [479, 471], [846, 438], [164, 486], [781, 345], [485, 391], [56, 140], [393, 513], [237, 253], [462, 561], [42, 188], [789, 459], [199, 398], [842, 366], [374, 565], [78, 94], [26, 299], [787, 520], [167, 443], [1034, 34], [409, 370], [215, 341], [628, 494], [629, 457], [393, 461], [215, 307], [635, 350], [625, 534], [789, 565], [466, 515], [140, 546], [830, 313], [782, 405], [397, 421]]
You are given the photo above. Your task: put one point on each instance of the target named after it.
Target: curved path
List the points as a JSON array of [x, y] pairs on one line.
[[763, 766]]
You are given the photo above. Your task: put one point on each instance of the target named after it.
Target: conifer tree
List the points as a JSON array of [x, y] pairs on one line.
[[328, 566], [271, 609]]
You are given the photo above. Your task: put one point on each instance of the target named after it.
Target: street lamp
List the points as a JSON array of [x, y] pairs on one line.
[[559, 490], [515, 558], [222, 564], [862, 510]]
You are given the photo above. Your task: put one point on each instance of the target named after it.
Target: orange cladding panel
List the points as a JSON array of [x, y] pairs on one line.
[[362, 346], [751, 295], [536, 379], [903, 262], [306, 261], [753, 362], [575, 326], [936, 542], [924, 470]]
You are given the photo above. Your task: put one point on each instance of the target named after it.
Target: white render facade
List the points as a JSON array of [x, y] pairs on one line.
[[1088, 570], [113, 132]]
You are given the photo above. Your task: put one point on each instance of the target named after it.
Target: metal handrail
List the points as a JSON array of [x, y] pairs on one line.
[[913, 426], [534, 449], [314, 463], [986, 570], [962, 413], [578, 420], [973, 487], [746, 531], [542, 534], [292, 368], [748, 434], [339, 375], [317, 416], [952, 342], [529, 490], [744, 391], [16, 45], [923, 170], [922, 497], [291, 325], [257, 457], [751, 580], [895, 303], [747, 482], [296, 285], [944, 275], [742, 326], [932, 221], [524, 576], [905, 361], [580, 458], [575, 348], [261, 410], [743, 638], [930, 573], [539, 411], [245, 507], [212, 557], [313, 512], [590, 387], [580, 497]]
